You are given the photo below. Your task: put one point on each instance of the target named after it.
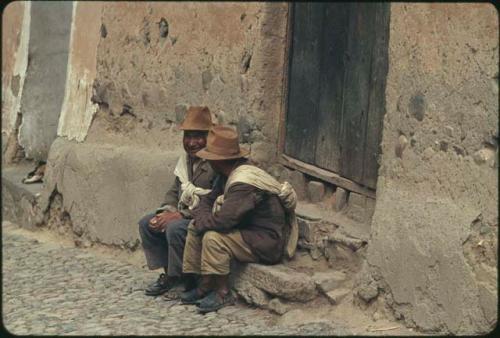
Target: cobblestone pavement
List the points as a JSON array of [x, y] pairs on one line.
[[49, 289]]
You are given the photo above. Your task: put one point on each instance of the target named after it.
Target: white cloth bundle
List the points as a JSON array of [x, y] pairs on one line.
[[190, 195], [262, 180]]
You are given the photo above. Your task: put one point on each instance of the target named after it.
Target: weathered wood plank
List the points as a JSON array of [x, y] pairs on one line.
[[302, 115], [326, 175], [356, 88], [334, 44], [286, 79], [376, 96]]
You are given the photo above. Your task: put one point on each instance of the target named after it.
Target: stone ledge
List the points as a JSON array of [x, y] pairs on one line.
[[277, 280], [19, 199], [105, 188]]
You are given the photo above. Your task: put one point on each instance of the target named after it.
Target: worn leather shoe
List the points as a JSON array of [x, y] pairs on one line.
[[215, 301], [190, 281], [162, 285], [192, 296]]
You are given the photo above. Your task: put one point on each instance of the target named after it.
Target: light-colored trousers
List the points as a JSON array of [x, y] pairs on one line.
[[212, 252]]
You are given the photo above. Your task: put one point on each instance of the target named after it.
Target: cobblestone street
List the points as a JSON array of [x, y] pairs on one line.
[[49, 288]]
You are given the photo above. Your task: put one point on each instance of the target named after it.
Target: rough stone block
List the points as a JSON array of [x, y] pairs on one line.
[[278, 280], [250, 293], [303, 244], [307, 229], [327, 281], [357, 200], [448, 130], [298, 181], [483, 156], [350, 242], [428, 153], [367, 291], [336, 296], [308, 211], [315, 191], [278, 307], [315, 253], [340, 198], [342, 256], [401, 146]]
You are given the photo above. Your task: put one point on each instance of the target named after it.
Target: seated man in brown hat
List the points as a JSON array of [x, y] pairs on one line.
[[163, 233], [245, 217]]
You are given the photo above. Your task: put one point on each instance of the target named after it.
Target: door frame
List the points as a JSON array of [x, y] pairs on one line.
[[293, 163]]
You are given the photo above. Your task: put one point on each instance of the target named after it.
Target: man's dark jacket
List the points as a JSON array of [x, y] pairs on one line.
[[258, 215]]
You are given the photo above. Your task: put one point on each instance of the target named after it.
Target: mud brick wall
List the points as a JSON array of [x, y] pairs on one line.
[[156, 59], [433, 250]]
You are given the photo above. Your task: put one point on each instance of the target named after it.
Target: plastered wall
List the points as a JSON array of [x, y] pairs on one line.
[[78, 110], [44, 86], [15, 38], [434, 241], [156, 59]]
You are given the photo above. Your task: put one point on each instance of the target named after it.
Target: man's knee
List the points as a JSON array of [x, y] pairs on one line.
[[144, 223], [211, 239]]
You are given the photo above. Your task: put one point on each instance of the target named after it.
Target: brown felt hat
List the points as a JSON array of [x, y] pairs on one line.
[[197, 118], [222, 144]]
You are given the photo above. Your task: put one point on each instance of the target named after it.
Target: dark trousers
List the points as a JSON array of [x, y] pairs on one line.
[[164, 249]]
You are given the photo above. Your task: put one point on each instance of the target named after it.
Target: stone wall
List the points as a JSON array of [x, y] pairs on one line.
[[433, 250]]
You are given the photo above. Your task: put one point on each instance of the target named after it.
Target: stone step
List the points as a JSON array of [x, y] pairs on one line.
[[275, 280]]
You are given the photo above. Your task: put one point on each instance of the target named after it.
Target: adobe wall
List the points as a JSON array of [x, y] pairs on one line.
[[77, 109], [156, 59], [45, 82], [134, 68], [15, 38], [433, 251]]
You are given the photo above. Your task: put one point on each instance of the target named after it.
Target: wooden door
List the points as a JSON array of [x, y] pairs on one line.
[[336, 102]]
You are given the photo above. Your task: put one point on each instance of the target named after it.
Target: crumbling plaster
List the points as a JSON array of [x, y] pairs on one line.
[[77, 109], [15, 39], [436, 197]]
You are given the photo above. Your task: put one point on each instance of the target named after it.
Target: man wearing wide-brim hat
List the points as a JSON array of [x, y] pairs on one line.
[[247, 216], [163, 233]]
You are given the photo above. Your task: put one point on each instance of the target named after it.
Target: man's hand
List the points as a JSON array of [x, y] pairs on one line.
[[161, 220]]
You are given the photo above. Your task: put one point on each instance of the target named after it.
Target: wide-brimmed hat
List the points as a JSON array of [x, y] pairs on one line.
[[197, 118], [222, 144]]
